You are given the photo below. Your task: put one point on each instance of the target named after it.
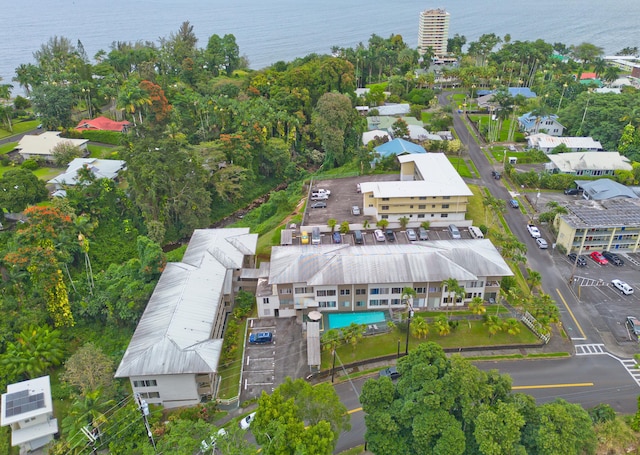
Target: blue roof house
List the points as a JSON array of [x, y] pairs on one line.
[[533, 124], [398, 147]]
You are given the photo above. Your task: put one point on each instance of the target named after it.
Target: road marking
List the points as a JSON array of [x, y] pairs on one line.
[[590, 349], [354, 410], [632, 368], [584, 337], [552, 386]]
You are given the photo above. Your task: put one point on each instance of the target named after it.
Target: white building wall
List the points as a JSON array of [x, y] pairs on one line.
[[174, 390]]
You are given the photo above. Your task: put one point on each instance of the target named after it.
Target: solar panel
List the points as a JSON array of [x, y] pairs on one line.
[[22, 402]]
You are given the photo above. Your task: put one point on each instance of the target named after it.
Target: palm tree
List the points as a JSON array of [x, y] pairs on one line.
[[493, 324], [365, 224], [534, 279], [419, 327], [331, 222], [426, 225], [353, 333], [512, 326], [403, 222], [441, 324], [344, 227], [331, 340], [476, 306], [454, 289], [5, 94], [382, 224]]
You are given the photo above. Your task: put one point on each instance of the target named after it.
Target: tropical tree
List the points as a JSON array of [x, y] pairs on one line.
[[353, 333], [404, 221], [442, 326], [382, 224], [89, 369], [534, 279], [344, 227], [35, 350], [512, 326], [332, 222], [20, 188], [493, 324], [419, 327], [477, 306], [453, 288]]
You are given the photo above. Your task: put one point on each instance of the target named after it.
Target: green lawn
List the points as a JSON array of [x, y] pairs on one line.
[[461, 166], [99, 151], [467, 334], [504, 130], [19, 127], [6, 148], [230, 372]]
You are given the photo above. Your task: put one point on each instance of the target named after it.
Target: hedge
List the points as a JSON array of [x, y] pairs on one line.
[[105, 137]]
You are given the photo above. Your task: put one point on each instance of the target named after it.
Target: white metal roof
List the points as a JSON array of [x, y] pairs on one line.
[[581, 161], [173, 335], [35, 393], [440, 179], [43, 144], [545, 141], [100, 168], [432, 261]]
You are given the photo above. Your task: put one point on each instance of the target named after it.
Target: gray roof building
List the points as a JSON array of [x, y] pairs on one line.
[[600, 189]]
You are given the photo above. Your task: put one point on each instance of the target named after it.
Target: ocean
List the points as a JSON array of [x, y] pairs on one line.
[[268, 31]]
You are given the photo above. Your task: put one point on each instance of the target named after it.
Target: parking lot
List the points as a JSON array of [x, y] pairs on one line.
[[267, 365], [606, 306]]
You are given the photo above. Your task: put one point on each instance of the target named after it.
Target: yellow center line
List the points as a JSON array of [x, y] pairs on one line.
[[552, 386], [354, 410], [571, 313]]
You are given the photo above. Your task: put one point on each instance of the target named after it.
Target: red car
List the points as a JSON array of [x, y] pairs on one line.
[[599, 258]]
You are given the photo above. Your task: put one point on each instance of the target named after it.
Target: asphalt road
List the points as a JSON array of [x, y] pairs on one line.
[[584, 379]]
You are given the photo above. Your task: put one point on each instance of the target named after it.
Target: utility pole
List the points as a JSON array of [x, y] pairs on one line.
[[410, 305], [144, 410]]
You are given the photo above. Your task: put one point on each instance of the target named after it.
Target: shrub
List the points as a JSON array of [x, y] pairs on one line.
[[106, 137], [30, 165]]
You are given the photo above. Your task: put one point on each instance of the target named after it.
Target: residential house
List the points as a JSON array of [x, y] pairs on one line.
[[386, 122], [601, 189], [103, 124], [428, 189], [533, 124], [395, 110], [172, 358], [101, 169], [485, 97], [588, 163], [369, 136], [547, 143], [398, 147], [609, 224], [27, 408], [41, 146], [346, 278]]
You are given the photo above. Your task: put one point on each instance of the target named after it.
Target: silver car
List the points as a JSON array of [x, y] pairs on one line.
[[355, 210], [411, 235]]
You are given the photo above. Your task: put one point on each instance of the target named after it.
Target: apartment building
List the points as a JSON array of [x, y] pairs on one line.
[[429, 189], [433, 31], [611, 225], [172, 358], [356, 278]]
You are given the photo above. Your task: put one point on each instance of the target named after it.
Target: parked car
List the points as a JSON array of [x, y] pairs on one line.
[[319, 196], [634, 325], [304, 238], [411, 235], [613, 257], [571, 191], [512, 148], [355, 210], [323, 191], [580, 261], [622, 287], [514, 203], [245, 423], [496, 175], [422, 234], [390, 235], [337, 238], [261, 338], [391, 373], [319, 205], [542, 243], [599, 258], [379, 235]]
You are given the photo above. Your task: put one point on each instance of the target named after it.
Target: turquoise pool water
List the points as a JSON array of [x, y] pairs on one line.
[[338, 320]]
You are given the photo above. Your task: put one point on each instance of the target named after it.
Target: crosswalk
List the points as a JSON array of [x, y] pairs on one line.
[[632, 367], [590, 349]]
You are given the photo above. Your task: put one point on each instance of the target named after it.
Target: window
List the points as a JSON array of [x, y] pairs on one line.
[[304, 290], [445, 206], [411, 206], [326, 292], [150, 395], [396, 290], [265, 300], [468, 295], [345, 291], [285, 291], [382, 302], [396, 302], [423, 198], [328, 304], [384, 207], [375, 291], [444, 215], [419, 290], [433, 206], [346, 304], [422, 215], [361, 292], [361, 303], [385, 198], [446, 197], [422, 207], [435, 289], [145, 383], [385, 217]]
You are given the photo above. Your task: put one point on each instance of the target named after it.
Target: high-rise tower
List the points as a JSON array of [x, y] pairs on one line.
[[433, 31]]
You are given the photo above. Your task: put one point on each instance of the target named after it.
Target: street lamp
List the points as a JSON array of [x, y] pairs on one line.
[[410, 305]]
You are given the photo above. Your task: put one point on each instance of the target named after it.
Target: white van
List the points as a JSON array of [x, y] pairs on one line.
[[454, 232], [315, 236], [475, 232]]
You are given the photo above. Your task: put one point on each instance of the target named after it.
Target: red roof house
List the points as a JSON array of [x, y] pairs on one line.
[[584, 76], [103, 124]]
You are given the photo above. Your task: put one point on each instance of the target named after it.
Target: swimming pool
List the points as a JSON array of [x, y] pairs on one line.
[[338, 320]]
